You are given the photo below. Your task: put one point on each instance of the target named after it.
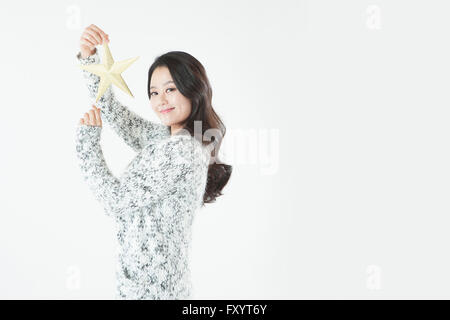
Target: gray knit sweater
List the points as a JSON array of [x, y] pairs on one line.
[[153, 202]]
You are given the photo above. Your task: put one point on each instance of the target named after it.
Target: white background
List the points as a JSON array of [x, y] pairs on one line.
[[337, 129]]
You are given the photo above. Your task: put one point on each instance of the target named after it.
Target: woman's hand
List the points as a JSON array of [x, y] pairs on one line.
[[92, 118], [91, 37]]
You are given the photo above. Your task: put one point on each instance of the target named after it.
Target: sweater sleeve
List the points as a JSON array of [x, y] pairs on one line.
[[132, 128], [94, 170], [167, 171]]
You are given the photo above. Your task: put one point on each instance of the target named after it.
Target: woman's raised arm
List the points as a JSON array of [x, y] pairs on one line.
[[132, 128]]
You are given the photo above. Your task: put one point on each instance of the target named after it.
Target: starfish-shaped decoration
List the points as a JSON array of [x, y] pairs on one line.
[[109, 72]]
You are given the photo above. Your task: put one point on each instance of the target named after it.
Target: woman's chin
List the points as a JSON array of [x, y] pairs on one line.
[[166, 123]]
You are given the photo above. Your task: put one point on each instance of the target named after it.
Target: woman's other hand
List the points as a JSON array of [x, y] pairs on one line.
[[92, 118], [91, 37]]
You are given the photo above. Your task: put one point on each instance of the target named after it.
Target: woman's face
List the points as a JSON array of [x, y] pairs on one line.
[[165, 95]]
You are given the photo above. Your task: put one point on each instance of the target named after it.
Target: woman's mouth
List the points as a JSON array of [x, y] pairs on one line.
[[167, 110]]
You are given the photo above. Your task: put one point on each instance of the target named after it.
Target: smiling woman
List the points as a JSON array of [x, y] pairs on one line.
[[168, 103], [174, 174]]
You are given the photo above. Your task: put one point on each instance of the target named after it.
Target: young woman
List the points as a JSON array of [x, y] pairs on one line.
[[174, 173]]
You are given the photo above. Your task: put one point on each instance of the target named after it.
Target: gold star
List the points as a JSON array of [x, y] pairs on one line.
[[109, 72]]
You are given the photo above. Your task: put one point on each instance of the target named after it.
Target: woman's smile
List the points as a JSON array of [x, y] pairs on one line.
[[167, 110]]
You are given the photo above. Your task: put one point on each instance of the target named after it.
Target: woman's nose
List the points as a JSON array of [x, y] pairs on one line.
[[163, 99]]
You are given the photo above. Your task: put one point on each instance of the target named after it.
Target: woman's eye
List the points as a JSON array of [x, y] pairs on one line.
[[151, 93]]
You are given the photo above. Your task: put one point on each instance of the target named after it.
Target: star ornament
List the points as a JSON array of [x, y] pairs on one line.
[[109, 72]]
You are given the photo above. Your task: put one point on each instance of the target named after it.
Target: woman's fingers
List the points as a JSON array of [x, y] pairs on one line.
[[87, 43], [87, 121], [93, 117], [91, 34], [100, 32], [98, 116], [91, 38]]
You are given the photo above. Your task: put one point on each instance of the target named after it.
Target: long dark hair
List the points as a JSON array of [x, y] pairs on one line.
[[190, 79]]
